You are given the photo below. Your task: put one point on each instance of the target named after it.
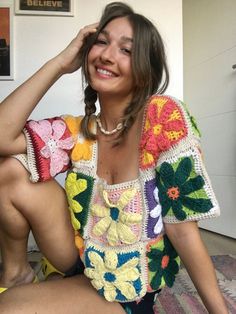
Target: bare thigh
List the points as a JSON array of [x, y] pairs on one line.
[[73, 295]]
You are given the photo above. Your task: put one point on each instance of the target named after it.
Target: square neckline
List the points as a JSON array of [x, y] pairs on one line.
[[128, 182]]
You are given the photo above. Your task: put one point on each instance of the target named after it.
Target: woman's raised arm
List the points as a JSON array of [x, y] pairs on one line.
[[17, 107]]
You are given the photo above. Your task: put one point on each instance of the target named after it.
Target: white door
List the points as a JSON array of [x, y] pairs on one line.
[[210, 91]]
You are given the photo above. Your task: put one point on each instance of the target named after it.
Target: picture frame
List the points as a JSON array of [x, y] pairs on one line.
[[37, 7], [6, 40]]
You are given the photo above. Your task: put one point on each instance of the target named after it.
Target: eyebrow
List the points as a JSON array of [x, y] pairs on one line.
[[123, 38]]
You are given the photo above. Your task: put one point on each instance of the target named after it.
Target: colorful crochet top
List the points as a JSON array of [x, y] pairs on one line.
[[119, 228]]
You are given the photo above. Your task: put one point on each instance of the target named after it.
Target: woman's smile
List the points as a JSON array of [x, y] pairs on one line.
[[104, 73]]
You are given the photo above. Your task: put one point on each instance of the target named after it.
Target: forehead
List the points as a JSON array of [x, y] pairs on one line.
[[119, 27]]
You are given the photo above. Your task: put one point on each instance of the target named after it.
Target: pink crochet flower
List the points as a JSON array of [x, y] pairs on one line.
[[52, 136], [164, 126]]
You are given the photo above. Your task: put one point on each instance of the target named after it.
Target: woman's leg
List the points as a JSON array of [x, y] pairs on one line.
[[73, 295], [41, 207]]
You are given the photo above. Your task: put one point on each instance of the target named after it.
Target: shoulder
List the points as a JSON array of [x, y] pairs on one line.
[[166, 107], [73, 123], [167, 122], [171, 114]]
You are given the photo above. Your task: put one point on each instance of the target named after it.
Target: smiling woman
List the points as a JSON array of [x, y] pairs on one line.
[[136, 184]]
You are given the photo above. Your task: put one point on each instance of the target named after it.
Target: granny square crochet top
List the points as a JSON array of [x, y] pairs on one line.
[[119, 229]]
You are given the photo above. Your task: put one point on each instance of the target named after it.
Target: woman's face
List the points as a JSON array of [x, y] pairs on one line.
[[109, 60]]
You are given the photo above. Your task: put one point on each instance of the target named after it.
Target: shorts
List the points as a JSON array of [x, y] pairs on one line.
[[145, 305], [76, 269]]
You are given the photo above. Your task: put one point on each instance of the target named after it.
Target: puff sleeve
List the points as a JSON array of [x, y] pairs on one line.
[[49, 145], [173, 145]]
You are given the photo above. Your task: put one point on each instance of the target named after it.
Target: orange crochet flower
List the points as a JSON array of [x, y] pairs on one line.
[[79, 242], [164, 126], [83, 148]]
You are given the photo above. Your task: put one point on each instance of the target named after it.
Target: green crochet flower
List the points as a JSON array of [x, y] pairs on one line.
[[193, 122], [181, 190], [163, 263]]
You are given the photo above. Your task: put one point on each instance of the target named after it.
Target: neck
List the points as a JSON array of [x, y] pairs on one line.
[[112, 111], [107, 132]]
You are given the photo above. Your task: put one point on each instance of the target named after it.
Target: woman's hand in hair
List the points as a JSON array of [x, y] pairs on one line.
[[69, 60]]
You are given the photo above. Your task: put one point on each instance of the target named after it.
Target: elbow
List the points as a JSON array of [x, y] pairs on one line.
[[180, 231], [10, 147]]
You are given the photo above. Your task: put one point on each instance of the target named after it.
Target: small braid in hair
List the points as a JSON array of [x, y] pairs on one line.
[[130, 114], [90, 108]]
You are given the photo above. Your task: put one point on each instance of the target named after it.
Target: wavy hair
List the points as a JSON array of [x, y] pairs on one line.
[[148, 59]]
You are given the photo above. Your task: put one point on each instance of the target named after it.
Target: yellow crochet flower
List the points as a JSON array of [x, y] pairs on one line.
[[73, 187], [105, 274], [114, 220], [83, 147]]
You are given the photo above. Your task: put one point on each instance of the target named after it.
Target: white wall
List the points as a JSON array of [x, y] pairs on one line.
[[209, 87]]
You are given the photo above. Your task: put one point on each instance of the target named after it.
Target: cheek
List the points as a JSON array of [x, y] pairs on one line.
[[92, 54], [89, 58], [129, 72], [128, 68]]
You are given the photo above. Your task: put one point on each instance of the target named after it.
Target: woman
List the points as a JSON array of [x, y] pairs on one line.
[[135, 189]]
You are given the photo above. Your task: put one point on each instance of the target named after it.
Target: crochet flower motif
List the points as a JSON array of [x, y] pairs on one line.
[[163, 263], [114, 220], [181, 190], [156, 212], [79, 243], [51, 134], [74, 187], [106, 275], [164, 126], [83, 147]]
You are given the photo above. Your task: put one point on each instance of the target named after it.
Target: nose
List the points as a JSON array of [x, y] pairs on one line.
[[108, 54]]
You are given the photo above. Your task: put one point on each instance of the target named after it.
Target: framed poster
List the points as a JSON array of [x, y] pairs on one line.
[[42, 7], [6, 40]]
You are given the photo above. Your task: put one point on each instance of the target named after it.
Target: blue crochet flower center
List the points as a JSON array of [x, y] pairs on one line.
[[114, 213], [109, 277]]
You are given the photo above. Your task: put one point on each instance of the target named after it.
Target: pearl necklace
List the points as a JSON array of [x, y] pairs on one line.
[[119, 126]]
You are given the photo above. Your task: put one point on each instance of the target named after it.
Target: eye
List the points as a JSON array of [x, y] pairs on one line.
[[101, 41], [126, 50]]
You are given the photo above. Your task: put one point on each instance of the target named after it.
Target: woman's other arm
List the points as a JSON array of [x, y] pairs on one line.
[[187, 241]]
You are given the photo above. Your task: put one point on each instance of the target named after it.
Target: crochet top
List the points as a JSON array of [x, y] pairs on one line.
[[119, 228]]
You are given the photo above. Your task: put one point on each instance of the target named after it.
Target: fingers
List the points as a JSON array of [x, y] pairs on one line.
[[70, 58], [87, 30]]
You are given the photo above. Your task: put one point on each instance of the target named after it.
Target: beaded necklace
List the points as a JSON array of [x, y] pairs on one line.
[[119, 126]]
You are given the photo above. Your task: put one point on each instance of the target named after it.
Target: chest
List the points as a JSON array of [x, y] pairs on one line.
[[117, 164]]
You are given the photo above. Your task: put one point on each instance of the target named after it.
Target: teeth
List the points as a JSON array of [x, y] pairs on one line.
[[105, 72]]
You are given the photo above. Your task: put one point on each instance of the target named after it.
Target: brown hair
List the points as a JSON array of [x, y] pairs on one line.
[[149, 65]]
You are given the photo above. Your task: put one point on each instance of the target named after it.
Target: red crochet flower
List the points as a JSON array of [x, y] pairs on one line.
[[164, 126]]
